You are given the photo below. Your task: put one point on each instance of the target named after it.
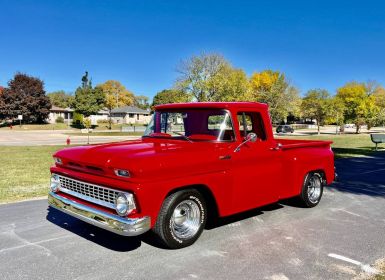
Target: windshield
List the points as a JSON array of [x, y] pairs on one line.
[[192, 125]]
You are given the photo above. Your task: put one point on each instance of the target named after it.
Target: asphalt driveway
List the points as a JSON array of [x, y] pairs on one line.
[[335, 240]]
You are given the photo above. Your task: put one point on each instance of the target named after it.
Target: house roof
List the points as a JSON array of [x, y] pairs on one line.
[[129, 109], [58, 109], [103, 111]]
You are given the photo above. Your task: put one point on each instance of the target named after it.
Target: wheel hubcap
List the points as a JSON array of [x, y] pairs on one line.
[[314, 189], [186, 219]]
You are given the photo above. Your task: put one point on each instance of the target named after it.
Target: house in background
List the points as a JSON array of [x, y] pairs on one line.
[[130, 115], [65, 113], [122, 115], [68, 113], [102, 115]]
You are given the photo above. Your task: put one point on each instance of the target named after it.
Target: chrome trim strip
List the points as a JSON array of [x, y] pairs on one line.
[[107, 221]]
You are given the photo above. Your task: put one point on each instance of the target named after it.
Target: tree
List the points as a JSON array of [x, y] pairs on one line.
[[25, 96], [315, 105], [379, 96], [230, 85], [2, 105], [336, 109], [197, 75], [272, 88], [61, 99], [141, 102], [374, 104], [264, 81], [354, 96], [88, 100], [369, 110], [210, 77], [116, 95], [294, 102], [167, 96], [87, 123]]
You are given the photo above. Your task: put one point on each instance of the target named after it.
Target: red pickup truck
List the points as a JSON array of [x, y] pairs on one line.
[[195, 161]]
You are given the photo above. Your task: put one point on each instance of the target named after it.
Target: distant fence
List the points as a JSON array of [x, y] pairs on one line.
[[303, 126], [300, 126], [133, 128]]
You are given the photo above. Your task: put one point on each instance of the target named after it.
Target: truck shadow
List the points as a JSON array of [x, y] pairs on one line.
[[361, 175], [218, 222], [94, 234], [119, 243]]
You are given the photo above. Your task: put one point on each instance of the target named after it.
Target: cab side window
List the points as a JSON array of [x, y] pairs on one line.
[[251, 122]]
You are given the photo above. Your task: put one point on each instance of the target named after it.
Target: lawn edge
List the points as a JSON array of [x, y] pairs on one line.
[[24, 200]]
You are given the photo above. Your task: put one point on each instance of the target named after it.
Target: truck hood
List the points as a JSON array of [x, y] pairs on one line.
[[146, 158]]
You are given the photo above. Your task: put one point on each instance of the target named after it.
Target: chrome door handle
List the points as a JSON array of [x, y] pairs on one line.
[[277, 148], [224, 157]]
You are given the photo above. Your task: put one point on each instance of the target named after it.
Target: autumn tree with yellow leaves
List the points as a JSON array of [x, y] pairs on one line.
[[271, 87], [360, 104], [116, 95]]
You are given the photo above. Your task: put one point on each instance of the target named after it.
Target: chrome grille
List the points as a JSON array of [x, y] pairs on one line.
[[89, 192]]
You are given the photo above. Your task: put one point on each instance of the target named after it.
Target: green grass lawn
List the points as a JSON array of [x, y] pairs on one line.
[[24, 171], [112, 133], [346, 145], [27, 127]]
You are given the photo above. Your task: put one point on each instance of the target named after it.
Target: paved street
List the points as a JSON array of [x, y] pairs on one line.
[[49, 137], [276, 242]]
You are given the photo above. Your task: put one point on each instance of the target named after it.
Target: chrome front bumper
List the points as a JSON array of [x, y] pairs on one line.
[[107, 221]]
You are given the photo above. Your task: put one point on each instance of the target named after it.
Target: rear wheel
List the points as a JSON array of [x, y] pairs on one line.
[[181, 219], [312, 189]]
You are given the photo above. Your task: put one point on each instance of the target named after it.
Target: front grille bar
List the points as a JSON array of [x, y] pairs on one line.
[[90, 192]]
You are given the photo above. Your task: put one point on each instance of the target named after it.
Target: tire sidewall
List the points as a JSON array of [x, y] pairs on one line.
[[305, 195], [172, 240]]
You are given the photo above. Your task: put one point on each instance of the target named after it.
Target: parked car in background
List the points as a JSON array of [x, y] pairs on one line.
[[285, 129], [196, 162]]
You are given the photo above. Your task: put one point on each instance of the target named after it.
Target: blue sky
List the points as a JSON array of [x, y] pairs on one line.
[[317, 44]]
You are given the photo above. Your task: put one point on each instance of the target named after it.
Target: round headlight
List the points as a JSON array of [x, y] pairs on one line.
[[55, 183], [124, 204]]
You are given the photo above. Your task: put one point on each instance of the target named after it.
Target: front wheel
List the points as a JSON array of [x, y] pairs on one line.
[[181, 219], [312, 189]]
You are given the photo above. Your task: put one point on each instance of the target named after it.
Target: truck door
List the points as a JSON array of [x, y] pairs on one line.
[[256, 166]]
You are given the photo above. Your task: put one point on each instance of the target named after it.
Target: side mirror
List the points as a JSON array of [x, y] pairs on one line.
[[251, 137]]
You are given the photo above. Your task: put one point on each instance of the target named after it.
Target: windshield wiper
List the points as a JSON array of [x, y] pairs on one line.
[[184, 136]]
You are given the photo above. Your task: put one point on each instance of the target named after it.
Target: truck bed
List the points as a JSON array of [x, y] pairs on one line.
[[294, 144]]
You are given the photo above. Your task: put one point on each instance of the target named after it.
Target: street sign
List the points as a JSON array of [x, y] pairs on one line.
[[19, 117]]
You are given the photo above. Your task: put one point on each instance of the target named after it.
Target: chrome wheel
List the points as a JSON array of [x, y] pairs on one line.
[[186, 219], [314, 188]]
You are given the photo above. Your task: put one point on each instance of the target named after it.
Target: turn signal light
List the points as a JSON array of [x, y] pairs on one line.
[[122, 173]]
